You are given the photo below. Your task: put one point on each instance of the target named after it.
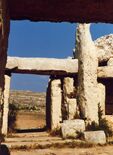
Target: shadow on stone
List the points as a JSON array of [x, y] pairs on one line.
[[4, 150], [30, 130]]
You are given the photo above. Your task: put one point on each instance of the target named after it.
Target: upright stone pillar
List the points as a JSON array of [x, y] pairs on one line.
[[6, 104], [70, 105], [101, 97], [56, 101], [87, 74], [4, 33]]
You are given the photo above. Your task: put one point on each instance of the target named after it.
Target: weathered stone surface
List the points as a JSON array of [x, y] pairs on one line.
[[56, 101], [69, 101], [87, 74], [43, 66], [6, 104], [104, 46], [68, 86], [105, 72], [4, 33], [101, 97], [71, 11], [72, 108], [71, 128], [110, 62], [109, 119], [95, 137]]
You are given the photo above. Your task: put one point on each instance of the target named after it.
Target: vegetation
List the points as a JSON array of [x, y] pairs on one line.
[[56, 132], [12, 117], [1, 137], [103, 124]]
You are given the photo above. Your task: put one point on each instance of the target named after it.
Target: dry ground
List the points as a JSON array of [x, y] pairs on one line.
[[106, 150], [31, 120]]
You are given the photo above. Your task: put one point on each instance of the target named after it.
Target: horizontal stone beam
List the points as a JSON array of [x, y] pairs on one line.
[[42, 66], [105, 72], [50, 66]]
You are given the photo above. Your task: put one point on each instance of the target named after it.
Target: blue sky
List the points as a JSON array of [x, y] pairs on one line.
[[44, 39]]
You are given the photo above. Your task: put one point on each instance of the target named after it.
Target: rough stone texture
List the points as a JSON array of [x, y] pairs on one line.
[[87, 74], [105, 72], [104, 47], [43, 66], [46, 66], [109, 119], [71, 128], [72, 108], [110, 62], [101, 97], [95, 137], [4, 32], [65, 10], [6, 104], [56, 101], [68, 86], [69, 101]]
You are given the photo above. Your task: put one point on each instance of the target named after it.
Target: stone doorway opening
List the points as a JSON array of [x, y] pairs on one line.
[[50, 40], [27, 106], [108, 82]]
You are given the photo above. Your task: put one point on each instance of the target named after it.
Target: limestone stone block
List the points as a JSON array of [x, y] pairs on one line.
[[6, 104], [95, 137], [4, 33], [104, 46], [68, 86], [72, 108], [105, 72], [87, 74], [56, 101], [101, 97], [44, 66], [110, 62], [71, 128], [69, 101], [109, 121]]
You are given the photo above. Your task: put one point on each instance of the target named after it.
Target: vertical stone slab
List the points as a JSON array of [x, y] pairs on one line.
[[68, 86], [6, 104], [101, 97], [110, 62], [4, 33], [87, 74], [72, 108], [56, 101], [69, 105]]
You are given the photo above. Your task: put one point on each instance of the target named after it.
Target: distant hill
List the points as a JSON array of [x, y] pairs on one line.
[[28, 99]]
